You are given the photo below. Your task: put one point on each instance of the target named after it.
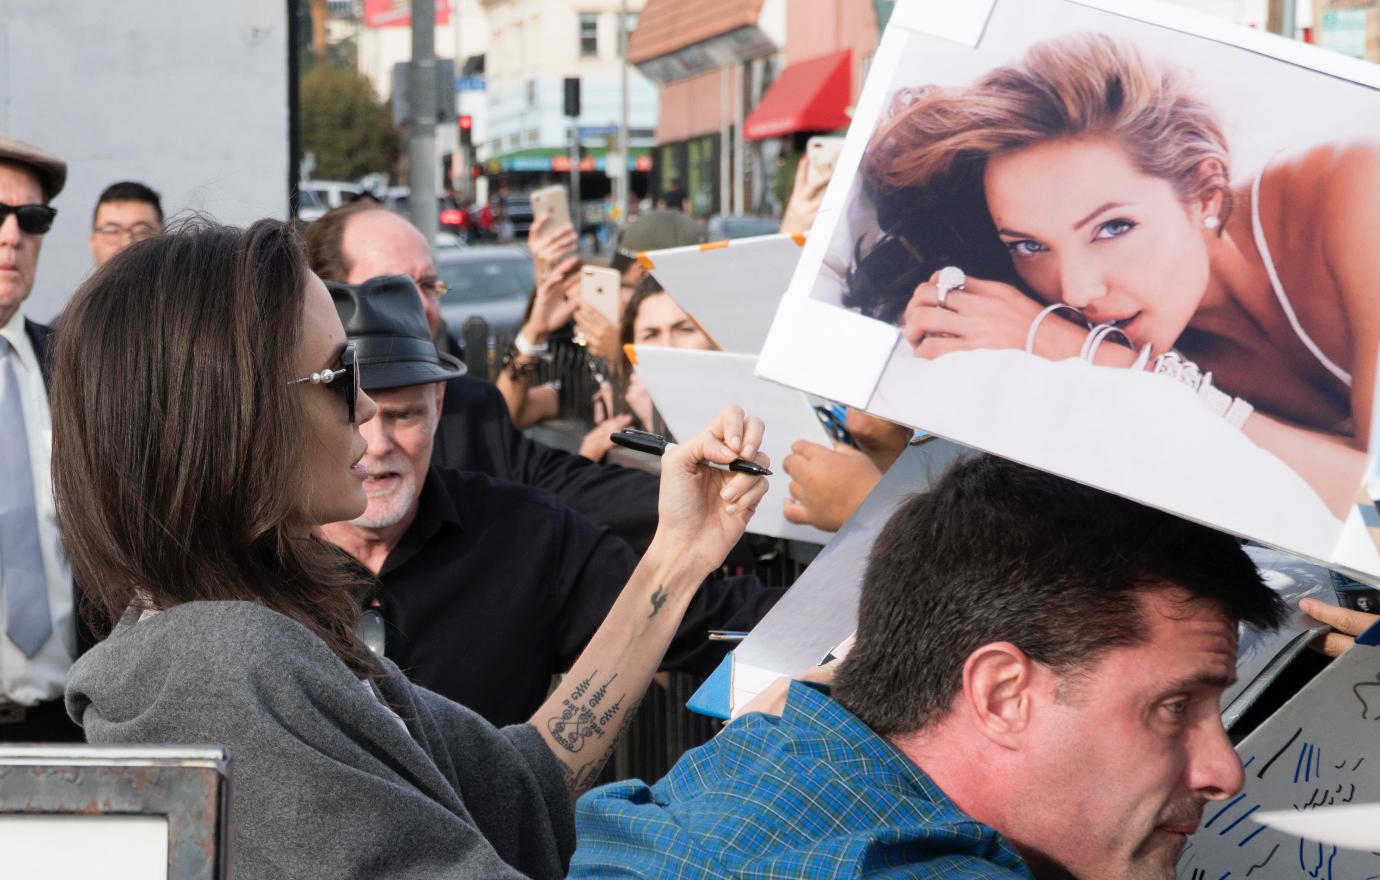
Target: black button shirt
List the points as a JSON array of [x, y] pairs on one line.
[[496, 587]]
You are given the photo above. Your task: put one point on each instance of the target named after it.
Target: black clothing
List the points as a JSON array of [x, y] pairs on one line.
[[476, 433], [46, 722], [497, 587]]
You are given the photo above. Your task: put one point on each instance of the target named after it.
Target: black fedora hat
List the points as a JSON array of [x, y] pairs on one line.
[[383, 317]]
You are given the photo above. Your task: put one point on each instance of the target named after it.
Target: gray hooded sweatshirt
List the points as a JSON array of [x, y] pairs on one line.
[[325, 781]]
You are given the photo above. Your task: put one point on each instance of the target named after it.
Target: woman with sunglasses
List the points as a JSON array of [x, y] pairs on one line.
[[206, 411]]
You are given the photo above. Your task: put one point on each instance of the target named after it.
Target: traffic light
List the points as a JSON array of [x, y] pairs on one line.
[[466, 123], [572, 97]]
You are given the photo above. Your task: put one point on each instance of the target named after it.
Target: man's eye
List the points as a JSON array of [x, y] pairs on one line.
[[1177, 708]]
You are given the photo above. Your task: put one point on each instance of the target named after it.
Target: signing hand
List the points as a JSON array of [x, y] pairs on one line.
[[552, 305], [984, 314], [1347, 623], [549, 247], [827, 485], [703, 511]]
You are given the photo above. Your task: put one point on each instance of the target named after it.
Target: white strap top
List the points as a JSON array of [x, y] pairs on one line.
[[1278, 288]]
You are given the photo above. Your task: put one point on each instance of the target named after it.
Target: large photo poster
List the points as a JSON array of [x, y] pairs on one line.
[[1120, 242]]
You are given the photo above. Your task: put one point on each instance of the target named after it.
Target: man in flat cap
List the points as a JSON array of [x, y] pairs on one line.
[[38, 626]]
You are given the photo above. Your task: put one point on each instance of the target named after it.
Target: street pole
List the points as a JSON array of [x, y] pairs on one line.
[[621, 183], [576, 215], [739, 145], [421, 154], [725, 145]]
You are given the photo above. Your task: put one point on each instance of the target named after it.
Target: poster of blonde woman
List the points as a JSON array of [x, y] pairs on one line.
[[1122, 242]]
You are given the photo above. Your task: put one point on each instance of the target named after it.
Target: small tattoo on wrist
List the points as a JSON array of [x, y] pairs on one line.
[[658, 599]]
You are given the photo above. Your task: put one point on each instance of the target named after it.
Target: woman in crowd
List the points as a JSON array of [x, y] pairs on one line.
[[1086, 193], [652, 318], [206, 410]]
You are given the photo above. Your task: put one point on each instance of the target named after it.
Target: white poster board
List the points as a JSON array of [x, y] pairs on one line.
[[731, 288], [905, 201]]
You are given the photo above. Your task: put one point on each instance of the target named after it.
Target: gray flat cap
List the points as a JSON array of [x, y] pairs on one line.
[[51, 171]]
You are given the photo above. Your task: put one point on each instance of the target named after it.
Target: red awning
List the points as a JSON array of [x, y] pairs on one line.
[[808, 96]]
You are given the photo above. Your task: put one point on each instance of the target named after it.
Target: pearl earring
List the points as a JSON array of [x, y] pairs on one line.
[[1211, 222]]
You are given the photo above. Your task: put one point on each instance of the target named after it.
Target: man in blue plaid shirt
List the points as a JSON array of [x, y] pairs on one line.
[[1033, 693]]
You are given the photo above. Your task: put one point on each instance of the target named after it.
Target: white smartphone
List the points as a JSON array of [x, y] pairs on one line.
[[553, 203], [822, 152], [599, 286]]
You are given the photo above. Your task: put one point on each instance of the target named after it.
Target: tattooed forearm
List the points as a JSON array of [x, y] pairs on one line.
[[658, 599], [580, 779], [582, 717], [588, 715]]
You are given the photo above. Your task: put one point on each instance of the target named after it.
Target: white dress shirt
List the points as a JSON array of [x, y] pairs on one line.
[[23, 680]]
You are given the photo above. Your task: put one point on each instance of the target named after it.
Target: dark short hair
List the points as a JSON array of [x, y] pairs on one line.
[[326, 238], [999, 552], [129, 191]]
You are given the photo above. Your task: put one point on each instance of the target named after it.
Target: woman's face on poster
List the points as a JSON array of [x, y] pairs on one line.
[[1085, 227]]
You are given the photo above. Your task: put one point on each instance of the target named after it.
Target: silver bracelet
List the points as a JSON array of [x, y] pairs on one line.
[[1098, 335], [542, 351], [1044, 313]]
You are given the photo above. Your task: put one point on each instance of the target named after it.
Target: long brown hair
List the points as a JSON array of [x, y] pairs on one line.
[[925, 164], [177, 439]]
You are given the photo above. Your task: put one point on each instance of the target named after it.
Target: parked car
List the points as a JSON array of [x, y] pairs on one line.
[[449, 218], [726, 226], [519, 212], [491, 281], [316, 197]]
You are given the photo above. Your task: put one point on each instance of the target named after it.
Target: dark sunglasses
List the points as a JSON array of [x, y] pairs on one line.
[[33, 219], [350, 386]]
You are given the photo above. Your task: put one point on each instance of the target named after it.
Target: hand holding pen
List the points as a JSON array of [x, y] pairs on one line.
[[703, 511]]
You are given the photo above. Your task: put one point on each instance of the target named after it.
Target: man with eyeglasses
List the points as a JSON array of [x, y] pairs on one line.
[[126, 212], [364, 240], [38, 621]]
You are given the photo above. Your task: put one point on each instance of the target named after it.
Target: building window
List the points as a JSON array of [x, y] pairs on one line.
[[589, 34], [533, 135]]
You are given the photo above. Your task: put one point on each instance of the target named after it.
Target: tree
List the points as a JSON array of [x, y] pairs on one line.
[[344, 124]]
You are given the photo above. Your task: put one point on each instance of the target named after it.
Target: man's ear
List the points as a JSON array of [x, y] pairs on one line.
[[998, 692]]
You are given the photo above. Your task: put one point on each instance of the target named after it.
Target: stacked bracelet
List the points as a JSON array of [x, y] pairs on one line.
[[1219, 403], [1045, 313]]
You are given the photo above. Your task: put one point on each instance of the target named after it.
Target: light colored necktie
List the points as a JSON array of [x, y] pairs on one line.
[[22, 580]]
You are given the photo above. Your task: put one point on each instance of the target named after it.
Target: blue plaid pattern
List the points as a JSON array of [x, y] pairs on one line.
[[814, 794]]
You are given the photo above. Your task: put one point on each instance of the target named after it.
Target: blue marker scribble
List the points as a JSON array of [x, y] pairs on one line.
[[1231, 803], [1239, 820], [1251, 835]]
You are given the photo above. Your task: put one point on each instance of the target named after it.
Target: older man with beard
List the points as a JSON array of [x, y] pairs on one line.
[[486, 589]]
